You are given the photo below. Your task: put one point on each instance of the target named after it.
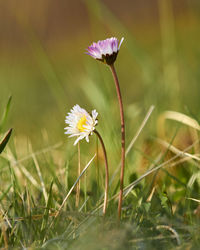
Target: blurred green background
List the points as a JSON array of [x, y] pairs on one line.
[[44, 68]]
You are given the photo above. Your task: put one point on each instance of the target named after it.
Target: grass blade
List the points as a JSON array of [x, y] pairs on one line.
[[73, 186], [5, 140], [5, 113]]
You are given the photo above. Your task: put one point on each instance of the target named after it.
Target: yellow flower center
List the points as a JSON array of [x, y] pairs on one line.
[[82, 122]]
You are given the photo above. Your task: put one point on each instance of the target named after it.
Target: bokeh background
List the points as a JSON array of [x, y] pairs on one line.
[[44, 67]]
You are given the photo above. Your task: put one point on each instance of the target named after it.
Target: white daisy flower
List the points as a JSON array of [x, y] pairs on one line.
[[81, 123]]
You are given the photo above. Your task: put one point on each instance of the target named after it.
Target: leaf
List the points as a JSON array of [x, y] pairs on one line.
[[5, 113], [5, 140]]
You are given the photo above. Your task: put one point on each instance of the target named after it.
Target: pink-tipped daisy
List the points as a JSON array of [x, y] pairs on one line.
[[105, 50], [81, 123]]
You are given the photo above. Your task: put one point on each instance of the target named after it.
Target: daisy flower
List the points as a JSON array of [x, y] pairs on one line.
[[105, 50], [81, 123]]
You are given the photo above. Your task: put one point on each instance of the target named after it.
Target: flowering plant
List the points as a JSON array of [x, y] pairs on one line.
[[105, 50], [81, 123]]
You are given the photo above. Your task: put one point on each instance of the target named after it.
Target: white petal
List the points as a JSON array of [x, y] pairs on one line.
[[78, 139], [87, 138], [121, 43], [94, 114]]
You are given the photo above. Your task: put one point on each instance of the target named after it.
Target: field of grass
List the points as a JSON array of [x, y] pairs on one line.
[[158, 70]]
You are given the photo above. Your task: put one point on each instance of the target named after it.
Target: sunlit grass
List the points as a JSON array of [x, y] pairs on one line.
[[38, 166], [38, 204]]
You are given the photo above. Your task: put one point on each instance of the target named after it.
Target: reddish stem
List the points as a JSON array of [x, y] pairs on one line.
[[79, 172], [106, 172], [112, 68]]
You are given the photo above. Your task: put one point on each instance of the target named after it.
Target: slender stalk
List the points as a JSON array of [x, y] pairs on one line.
[[71, 189], [79, 172], [85, 192], [112, 68], [106, 172], [97, 166]]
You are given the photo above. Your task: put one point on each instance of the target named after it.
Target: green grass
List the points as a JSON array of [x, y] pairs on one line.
[[157, 209], [38, 167]]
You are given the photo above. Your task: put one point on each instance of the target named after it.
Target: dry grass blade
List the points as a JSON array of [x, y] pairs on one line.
[[5, 218], [4, 223], [176, 116], [195, 136], [11, 158], [177, 151], [159, 237], [192, 199], [173, 231], [134, 140], [193, 178], [42, 151], [41, 178], [150, 171], [39, 174], [129, 188], [140, 129], [70, 191], [29, 176], [184, 159], [151, 194]]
